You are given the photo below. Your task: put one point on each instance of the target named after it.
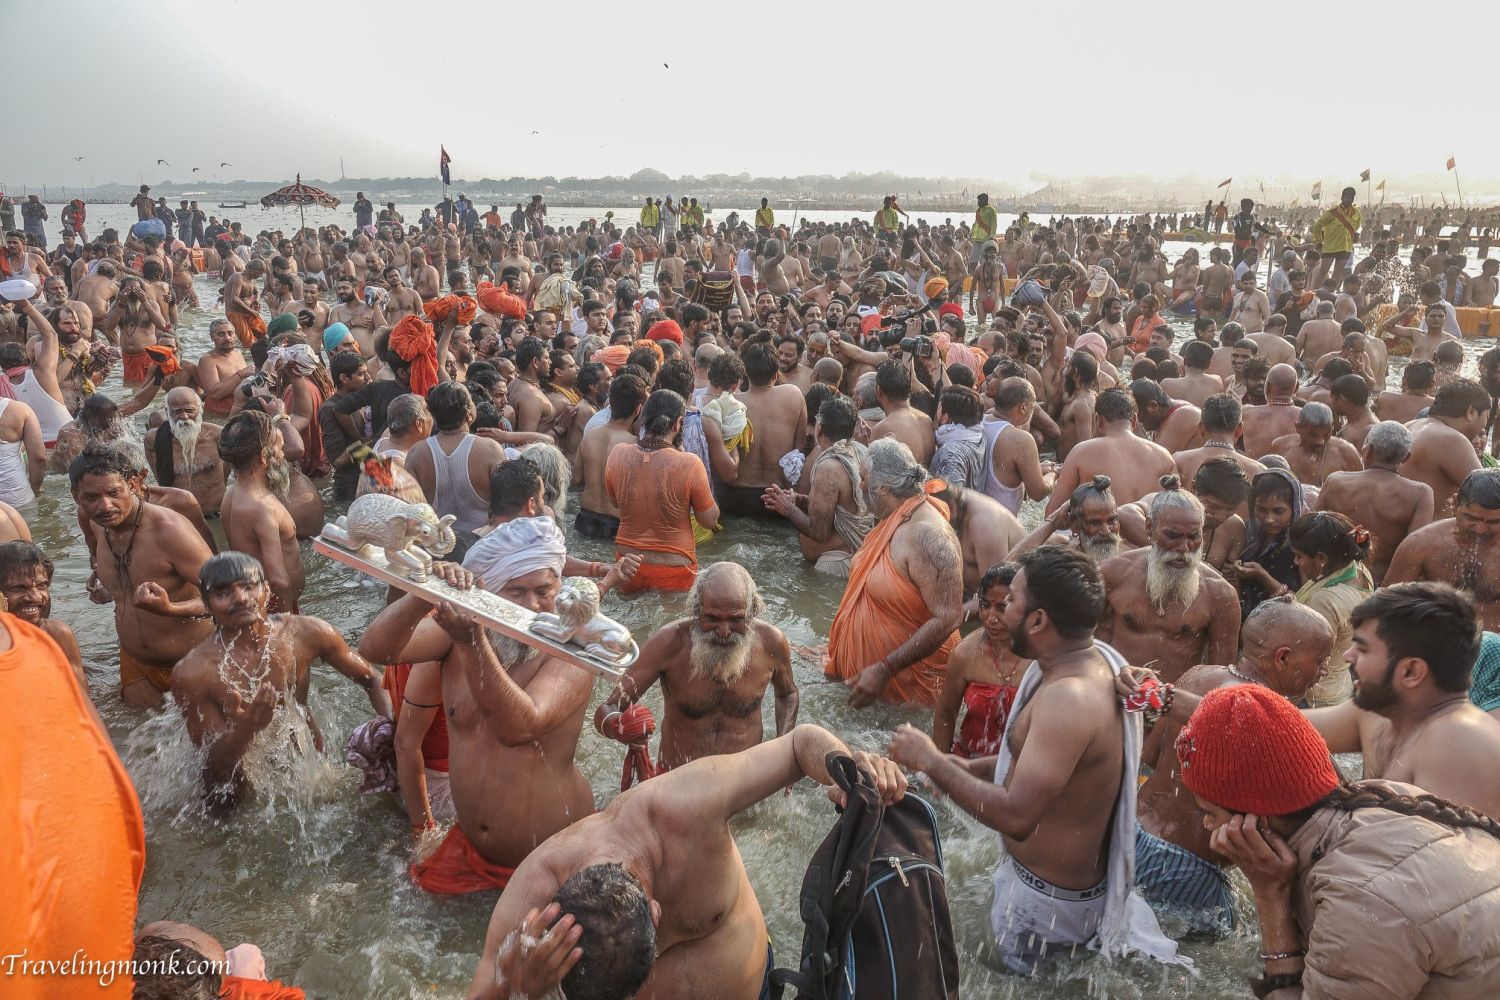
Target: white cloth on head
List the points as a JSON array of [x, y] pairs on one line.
[[299, 356], [516, 548], [1128, 923]]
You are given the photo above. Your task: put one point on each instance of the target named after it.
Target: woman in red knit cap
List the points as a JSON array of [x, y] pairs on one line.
[[1369, 889]]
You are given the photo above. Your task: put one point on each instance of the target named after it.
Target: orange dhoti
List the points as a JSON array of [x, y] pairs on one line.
[[238, 988], [880, 610], [133, 670], [456, 867], [137, 367], [249, 327], [657, 576]]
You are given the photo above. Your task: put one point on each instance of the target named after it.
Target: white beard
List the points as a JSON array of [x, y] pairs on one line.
[[279, 478], [1099, 548], [721, 662], [1171, 586], [186, 432]]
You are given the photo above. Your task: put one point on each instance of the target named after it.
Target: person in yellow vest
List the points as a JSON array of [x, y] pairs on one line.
[[765, 218], [1335, 232], [650, 217], [886, 222], [984, 228], [693, 214]]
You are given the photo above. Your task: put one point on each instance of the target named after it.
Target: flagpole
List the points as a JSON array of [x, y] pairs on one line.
[[1458, 185]]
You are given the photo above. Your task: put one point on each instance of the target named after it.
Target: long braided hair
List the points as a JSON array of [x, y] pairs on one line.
[[1349, 797]]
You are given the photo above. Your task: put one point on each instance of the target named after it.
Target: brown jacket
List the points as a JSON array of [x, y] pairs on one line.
[[1395, 906]]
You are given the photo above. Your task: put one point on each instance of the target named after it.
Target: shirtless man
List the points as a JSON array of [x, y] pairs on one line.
[[1133, 464], [1319, 336], [352, 311], [1460, 550], [1216, 293], [133, 321], [1263, 425], [1415, 394], [402, 300], [831, 519], [598, 517], [778, 416], [1312, 451], [1075, 421], [513, 715], [789, 363], [714, 667], [147, 564], [1220, 419], [55, 290], [26, 586], [313, 306], [1171, 423], [1442, 446], [1426, 339], [912, 427], [256, 519], [1484, 289], [663, 899], [1251, 307], [1162, 603], [1196, 384], [1389, 505], [221, 370], [986, 531], [98, 291], [1060, 791], [184, 451], [242, 301], [1349, 398], [229, 685], [1271, 343]]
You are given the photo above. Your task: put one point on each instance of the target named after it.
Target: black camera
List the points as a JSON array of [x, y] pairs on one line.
[[918, 346]]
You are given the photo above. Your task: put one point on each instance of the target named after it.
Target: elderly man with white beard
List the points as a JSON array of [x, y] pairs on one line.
[[184, 451], [714, 667], [256, 520], [1164, 606], [1092, 520]]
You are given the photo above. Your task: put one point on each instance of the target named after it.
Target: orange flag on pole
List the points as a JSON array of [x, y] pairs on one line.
[[1225, 183], [1451, 163]]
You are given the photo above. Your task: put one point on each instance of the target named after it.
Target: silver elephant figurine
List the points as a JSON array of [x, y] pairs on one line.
[[578, 621], [410, 534]]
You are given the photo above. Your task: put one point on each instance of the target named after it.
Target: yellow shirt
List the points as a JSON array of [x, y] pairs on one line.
[[984, 225], [885, 219], [650, 216], [1331, 231], [765, 218]]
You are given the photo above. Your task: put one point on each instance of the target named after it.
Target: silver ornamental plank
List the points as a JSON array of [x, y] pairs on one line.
[[492, 611]]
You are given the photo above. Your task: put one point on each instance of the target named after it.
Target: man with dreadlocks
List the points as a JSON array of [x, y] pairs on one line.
[[256, 520], [229, 685], [305, 386]]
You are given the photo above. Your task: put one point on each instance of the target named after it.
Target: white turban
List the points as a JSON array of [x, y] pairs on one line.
[[299, 356], [516, 548]]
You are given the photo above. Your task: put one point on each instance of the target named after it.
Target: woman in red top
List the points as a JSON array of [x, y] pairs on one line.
[[982, 676]]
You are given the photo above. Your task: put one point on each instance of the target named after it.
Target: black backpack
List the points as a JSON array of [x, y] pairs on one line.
[[874, 904]]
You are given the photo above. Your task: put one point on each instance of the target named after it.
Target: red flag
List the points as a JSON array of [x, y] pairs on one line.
[[1225, 182], [1364, 175], [443, 162], [1451, 163]]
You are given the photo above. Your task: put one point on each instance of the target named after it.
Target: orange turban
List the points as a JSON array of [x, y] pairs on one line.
[[613, 357], [655, 349], [870, 324], [935, 286], [439, 309], [413, 342], [666, 329], [165, 358], [499, 301]]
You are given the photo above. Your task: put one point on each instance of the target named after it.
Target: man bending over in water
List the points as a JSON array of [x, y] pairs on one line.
[[656, 884], [229, 685]]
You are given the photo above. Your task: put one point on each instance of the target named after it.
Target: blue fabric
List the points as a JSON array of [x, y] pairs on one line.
[[1178, 883], [1484, 686], [765, 986]]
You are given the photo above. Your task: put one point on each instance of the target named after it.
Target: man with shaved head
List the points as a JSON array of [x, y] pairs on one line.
[[1312, 451], [1277, 418], [1378, 497], [714, 667], [184, 451]]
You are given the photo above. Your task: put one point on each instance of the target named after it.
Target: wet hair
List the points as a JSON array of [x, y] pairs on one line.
[[528, 351], [1490, 360], [403, 413], [343, 365], [245, 438], [1315, 415], [1351, 388], [13, 355], [1220, 413], [838, 418], [757, 604], [1223, 479], [1197, 354], [555, 470], [1066, 584], [21, 555], [1347, 797], [663, 409], [512, 485], [590, 374], [627, 393], [1429, 621], [1115, 405], [101, 460], [1331, 534], [450, 404], [893, 379], [962, 405], [615, 914], [893, 466], [161, 965], [1419, 375], [1457, 397], [1482, 487], [1256, 368], [726, 371], [230, 567], [760, 363], [998, 575]]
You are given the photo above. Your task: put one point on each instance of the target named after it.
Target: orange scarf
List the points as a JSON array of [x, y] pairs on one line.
[[413, 341]]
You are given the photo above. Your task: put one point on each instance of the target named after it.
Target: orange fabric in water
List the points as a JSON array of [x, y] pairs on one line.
[[456, 868], [132, 670], [412, 339], [73, 842], [235, 988], [655, 491], [137, 367], [654, 576], [441, 308], [247, 326], [880, 610]]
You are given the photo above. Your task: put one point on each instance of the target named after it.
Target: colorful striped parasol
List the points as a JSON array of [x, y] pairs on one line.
[[301, 195]]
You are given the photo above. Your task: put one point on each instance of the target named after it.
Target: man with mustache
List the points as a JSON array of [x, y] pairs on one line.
[[229, 685], [1460, 550], [714, 667], [1164, 606], [361, 318], [184, 450], [221, 369], [1092, 518], [26, 585], [256, 519]]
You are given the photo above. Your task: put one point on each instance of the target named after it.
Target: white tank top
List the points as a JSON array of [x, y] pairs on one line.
[[454, 492], [15, 488], [51, 414], [1009, 496]]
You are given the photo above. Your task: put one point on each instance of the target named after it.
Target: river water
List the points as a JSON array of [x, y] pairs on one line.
[[315, 873]]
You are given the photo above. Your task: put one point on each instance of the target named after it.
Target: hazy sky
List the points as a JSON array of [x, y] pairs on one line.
[[772, 88]]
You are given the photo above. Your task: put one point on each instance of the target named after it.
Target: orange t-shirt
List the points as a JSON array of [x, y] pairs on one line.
[[72, 845], [655, 491]]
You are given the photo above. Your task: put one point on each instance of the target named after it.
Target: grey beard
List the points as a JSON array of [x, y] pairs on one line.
[[723, 663], [186, 432], [1099, 548], [279, 478], [1169, 586]]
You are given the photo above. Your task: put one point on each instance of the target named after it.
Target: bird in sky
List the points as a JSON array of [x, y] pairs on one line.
[[163, 163], [665, 66], [195, 170], [535, 132], [77, 158], [226, 164]]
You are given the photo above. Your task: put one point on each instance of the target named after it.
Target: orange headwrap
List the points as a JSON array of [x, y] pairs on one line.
[[666, 329], [935, 286], [655, 349], [613, 357], [439, 309], [165, 358], [413, 341], [498, 300]]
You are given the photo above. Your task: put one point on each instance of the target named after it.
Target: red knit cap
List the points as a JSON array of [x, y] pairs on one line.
[[1247, 749], [666, 329]]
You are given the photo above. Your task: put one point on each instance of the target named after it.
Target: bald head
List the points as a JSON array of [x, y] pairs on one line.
[[1281, 382], [704, 356], [181, 396], [1289, 645], [828, 370]]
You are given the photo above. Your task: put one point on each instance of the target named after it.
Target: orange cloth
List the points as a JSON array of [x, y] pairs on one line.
[[236, 988], [248, 327], [219, 407], [132, 670], [655, 348], [655, 492], [440, 309], [498, 300], [435, 742], [74, 845], [665, 329], [613, 357], [412, 339], [456, 868], [1140, 334], [655, 576], [137, 367], [880, 610], [165, 357]]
